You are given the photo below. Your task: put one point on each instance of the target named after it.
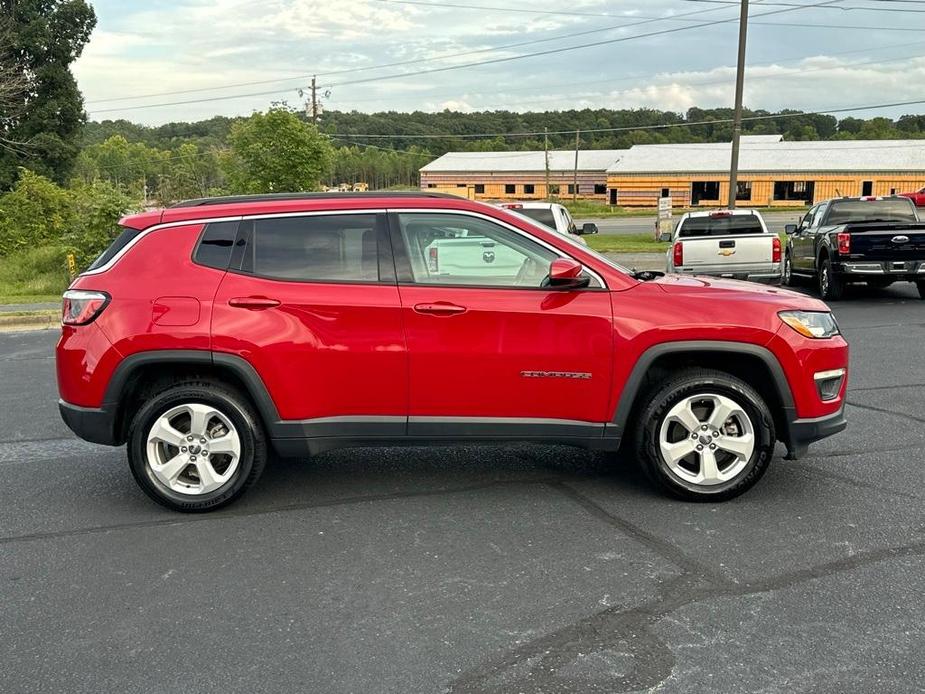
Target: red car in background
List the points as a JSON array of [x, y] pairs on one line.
[[917, 197]]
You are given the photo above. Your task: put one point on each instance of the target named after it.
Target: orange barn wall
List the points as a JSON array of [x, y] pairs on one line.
[[644, 191], [494, 184]]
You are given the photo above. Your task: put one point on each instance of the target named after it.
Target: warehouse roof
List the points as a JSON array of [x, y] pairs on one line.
[[559, 160], [764, 156]]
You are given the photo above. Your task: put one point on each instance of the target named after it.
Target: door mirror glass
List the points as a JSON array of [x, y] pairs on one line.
[[588, 228], [665, 236], [565, 273], [790, 228]]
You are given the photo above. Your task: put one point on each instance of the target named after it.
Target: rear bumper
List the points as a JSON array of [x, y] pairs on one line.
[[806, 431], [766, 274], [96, 425], [907, 269]]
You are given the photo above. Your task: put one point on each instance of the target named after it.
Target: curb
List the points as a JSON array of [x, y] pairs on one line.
[[44, 320]]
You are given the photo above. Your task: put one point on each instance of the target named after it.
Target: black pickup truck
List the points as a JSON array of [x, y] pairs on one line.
[[869, 239]]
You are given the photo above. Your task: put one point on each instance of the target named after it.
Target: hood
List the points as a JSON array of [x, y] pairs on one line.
[[727, 289]]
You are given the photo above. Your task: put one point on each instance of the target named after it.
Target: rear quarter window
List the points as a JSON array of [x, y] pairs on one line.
[[125, 237], [216, 244]]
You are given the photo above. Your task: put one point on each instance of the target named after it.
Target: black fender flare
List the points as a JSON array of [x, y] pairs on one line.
[[631, 388], [240, 367]]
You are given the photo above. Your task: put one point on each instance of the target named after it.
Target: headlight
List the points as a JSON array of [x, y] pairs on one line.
[[815, 324]]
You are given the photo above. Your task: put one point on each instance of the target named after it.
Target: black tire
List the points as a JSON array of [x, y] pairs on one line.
[[920, 285], [253, 445], [787, 278], [693, 382], [879, 284], [831, 287]]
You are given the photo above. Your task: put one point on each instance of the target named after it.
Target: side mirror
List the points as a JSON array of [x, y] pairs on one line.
[[790, 228], [665, 236], [565, 273], [588, 228]]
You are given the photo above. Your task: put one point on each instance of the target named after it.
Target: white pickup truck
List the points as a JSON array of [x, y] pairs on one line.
[[554, 216], [725, 243]]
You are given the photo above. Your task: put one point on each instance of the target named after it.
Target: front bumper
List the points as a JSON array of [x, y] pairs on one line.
[[96, 425], [803, 432]]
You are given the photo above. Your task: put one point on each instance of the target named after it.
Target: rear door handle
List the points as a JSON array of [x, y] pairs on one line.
[[440, 308], [253, 303]]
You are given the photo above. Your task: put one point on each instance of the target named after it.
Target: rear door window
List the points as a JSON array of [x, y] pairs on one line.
[[720, 226], [317, 248]]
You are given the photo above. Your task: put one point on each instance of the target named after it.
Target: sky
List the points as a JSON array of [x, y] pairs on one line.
[[183, 60]]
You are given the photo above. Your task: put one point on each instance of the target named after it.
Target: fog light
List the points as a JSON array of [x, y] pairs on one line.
[[828, 383]]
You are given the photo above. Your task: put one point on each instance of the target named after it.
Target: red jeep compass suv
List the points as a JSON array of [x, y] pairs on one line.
[[216, 330]]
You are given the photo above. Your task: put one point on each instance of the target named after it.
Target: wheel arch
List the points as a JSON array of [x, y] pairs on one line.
[[752, 363], [141, 371]]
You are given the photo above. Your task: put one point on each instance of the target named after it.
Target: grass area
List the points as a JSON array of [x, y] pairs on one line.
[[626, 243], [33, 276]]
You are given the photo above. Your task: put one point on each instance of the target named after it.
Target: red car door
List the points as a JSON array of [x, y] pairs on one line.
[[491, 350], [312, 304]]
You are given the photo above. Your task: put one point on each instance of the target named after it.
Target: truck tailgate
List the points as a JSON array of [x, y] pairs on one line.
[[887, 241], [728, 251]]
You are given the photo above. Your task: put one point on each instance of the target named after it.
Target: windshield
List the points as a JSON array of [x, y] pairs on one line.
[[720, 226], [539, 214], [890, 210]]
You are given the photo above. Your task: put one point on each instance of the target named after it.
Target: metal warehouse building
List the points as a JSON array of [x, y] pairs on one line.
[[772, 172], [520, 175]]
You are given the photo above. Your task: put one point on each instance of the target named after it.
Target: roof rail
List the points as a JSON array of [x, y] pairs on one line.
[[265, 197]]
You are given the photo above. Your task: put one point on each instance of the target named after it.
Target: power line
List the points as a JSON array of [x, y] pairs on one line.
[[415, 61], [492, 61], [546, 86]]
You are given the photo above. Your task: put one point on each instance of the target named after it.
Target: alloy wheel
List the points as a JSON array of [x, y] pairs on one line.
[[706, 439], [192, 449]]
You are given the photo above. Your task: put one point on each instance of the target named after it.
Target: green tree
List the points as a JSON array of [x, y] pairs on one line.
[[35, 212], [44, 38], [276, 152]]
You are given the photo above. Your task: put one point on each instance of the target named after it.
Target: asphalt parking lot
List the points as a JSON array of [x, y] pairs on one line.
[[521, 569]]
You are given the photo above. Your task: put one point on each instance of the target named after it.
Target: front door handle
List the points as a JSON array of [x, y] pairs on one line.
[[440, 308], [253, 303]]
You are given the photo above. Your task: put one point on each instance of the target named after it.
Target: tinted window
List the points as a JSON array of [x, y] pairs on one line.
[[844, 211], [120, 242], [461, 250], [540, 215], [719, 226], [319, 248], [215, 247]]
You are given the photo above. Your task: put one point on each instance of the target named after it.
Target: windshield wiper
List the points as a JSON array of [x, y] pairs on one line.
[[646, 275]]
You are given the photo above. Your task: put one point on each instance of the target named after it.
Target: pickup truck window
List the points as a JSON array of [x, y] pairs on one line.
[[847, 211], [538, 214], [720, 226]]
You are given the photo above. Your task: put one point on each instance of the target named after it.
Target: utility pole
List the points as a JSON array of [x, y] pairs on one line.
[[575, 181], [737, 116], [546, 156], [314, 102]]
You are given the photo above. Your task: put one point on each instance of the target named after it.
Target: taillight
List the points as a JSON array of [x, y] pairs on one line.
[[775, 249], [82, 307], [434, 259], [678, 254], [844, 243]]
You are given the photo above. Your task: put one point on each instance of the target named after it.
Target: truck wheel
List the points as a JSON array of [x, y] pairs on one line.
[[196, 446], [705, 436], [920, 285], [831, 286], [787, 279]]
